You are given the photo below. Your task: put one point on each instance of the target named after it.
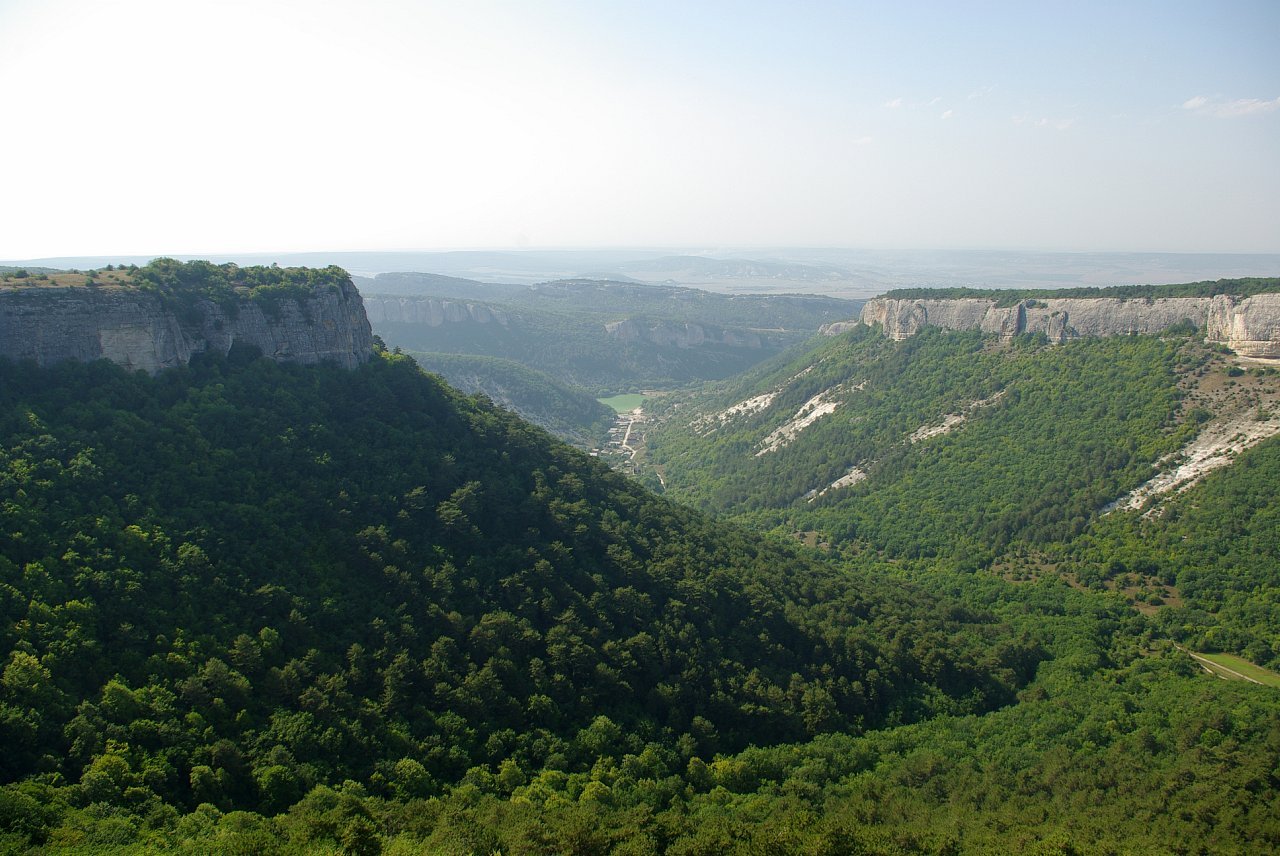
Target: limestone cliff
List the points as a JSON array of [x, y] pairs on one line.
[[686, 335], [432, 311], [142, 330], [1250, 326]]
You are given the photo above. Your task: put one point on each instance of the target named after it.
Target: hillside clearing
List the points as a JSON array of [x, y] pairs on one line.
[[1233, 668], [623, 403]]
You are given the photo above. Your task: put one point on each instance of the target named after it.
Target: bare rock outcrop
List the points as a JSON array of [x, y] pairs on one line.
[[141, 330], [1250, 326]]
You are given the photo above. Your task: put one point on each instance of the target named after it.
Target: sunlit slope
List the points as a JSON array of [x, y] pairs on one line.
[[941, 443], [1217, 545]]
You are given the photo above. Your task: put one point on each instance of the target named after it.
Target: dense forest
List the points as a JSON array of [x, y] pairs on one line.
[[1041, 437], [235, 583], [1217, 545], [567, 412], [252, 607], [986, 457]]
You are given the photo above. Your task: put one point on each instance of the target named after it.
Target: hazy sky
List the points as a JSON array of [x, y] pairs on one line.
[[190, 126]]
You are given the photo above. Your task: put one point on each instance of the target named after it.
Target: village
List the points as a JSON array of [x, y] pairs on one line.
[[625, 438]]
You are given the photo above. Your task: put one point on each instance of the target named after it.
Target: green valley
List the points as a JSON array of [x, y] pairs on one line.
[[376, 618], [640, 429], [599, 338], [254, 606]]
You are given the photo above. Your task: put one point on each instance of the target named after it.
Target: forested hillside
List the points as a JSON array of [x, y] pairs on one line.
[[569, 413], [1217, 545], [1024, 459], [943, 444], [237, 582], [252, 607]]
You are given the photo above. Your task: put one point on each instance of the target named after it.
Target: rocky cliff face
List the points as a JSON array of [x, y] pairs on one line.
[[432, 311], [685, 335], [1250, 326], [139, 330]]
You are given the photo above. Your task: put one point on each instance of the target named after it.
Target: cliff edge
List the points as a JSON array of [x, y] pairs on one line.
[[161, 315], [432, 311], [1250, 326]]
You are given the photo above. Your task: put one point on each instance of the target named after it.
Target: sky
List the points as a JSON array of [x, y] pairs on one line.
[[214, 126]]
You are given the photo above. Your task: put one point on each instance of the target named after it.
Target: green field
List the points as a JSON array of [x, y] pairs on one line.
[[623, 403], [1243, 667]]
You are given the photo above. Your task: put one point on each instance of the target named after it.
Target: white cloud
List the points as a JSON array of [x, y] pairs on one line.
[[1246, 107], [934, 100], [863, 141], [1222, 109], [1056, 124], [981, 92], [947, 114], [894, 104]]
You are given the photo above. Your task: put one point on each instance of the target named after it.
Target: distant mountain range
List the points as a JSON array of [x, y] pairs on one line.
[[833, 271]]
